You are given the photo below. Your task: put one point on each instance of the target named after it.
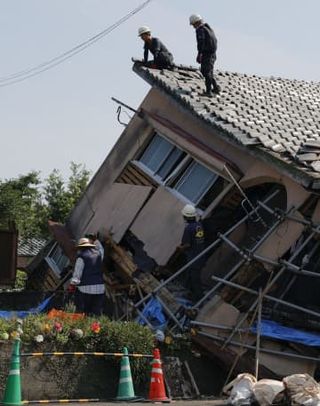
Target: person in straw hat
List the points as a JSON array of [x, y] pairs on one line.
[[87, 279]]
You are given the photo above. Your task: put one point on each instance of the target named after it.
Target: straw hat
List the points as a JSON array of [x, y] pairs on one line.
[[84, 242]]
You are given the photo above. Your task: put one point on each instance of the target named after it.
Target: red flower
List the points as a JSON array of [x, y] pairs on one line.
[[58, 326], [95, 327]]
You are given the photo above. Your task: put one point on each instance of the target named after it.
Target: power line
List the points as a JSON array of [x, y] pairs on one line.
[[44, 66]]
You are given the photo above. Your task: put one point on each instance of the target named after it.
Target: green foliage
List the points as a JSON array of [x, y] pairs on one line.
[[60, 332], [21, 279], [18, 202], [58, 329], [27, 204], [98, 334], [61, 197]]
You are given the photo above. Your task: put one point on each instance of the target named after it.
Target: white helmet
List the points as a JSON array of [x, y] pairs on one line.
[[189, 211], [195, 18], [143, 30]]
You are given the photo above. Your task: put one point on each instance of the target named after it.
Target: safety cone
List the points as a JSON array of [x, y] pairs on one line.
[[157, 392], [125, 388], [12, 393]]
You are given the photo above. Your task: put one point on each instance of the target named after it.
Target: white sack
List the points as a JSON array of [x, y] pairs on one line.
[[302, 389], [240, 390], [266, 390]]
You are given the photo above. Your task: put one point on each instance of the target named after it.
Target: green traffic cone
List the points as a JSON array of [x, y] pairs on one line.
[[125, 388], [12, 393]]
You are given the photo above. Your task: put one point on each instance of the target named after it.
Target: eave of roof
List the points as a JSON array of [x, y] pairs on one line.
[[30, 247], [277, 120]]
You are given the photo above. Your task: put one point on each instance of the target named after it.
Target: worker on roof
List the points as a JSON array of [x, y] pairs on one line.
[[162, 58], [207, 48], [87, 279], [192, 244]]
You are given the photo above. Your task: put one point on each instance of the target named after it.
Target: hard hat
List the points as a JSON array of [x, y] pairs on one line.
[[143, 30], [84, 242], [195, 18], [189, 211]]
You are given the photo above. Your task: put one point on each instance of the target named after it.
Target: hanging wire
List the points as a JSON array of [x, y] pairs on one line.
[[42, 67]]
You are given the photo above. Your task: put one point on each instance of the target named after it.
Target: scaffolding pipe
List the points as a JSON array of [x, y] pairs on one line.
[[293, 268], [169, 312], [271, 298], [244, 195], [314, 227], [237, 266], [186, 266], [293, 279], [258, 334], [269, 285], [267, 351], [216, 326]]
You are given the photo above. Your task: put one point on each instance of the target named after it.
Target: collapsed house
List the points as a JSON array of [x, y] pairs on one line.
[[249, 161]]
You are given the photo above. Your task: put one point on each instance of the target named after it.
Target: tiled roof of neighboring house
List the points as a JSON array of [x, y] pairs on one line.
[[279, 118], [30, 247]]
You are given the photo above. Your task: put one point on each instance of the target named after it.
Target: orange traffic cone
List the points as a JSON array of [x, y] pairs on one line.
[[157, 392]]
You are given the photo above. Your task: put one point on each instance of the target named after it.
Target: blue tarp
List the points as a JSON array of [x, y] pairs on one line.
[[8, 314], [154, 314], [274, 330]]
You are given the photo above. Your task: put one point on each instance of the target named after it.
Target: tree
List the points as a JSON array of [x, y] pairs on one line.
[[19, 199], [23, 201], [60, 198]]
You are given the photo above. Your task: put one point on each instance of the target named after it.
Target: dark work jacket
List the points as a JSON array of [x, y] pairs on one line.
[[92, 272], [206, 40], [156, 47], [193, 235]]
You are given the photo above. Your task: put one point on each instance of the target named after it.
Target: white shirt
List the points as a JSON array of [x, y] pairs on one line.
[[76, 279], [100, 248]]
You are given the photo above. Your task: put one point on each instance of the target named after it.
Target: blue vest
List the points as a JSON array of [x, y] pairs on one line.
[[92, 272], [193, 235]]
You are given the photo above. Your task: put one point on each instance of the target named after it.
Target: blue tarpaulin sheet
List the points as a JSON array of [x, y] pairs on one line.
[[8, 314], [154, 314], [272, 329]]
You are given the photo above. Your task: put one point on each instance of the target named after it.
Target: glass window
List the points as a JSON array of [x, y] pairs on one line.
[[155, 153], [161, 157], [170, 163], [180, 172], [195, 182], [56, 259]]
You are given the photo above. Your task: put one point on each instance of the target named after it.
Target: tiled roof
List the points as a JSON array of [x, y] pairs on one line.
[[30, 247], [280, 117]]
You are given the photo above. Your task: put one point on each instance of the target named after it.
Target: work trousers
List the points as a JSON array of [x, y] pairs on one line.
[[164, 60], [207, 65], [91, 305], [193, 282]]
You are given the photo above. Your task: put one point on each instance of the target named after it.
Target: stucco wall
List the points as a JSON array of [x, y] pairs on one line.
[[133, 139]]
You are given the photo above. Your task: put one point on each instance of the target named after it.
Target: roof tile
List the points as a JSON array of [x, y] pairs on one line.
[[281, 116]]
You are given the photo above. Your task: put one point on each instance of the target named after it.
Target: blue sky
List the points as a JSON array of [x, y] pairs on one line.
[[66, 114]]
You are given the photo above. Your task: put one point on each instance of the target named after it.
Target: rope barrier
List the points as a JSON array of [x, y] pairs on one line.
[[95, 354], [25, 402]]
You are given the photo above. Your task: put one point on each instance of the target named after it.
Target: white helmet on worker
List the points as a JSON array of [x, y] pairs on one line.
[[189, 211], [143, 30], [195, 18]]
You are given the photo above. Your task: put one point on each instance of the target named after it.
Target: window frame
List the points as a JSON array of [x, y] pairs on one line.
[[178, 172], [154, 173]]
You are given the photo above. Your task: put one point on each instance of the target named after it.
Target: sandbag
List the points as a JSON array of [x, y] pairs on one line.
[[266, 390], [302, 389], [240, 390]]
